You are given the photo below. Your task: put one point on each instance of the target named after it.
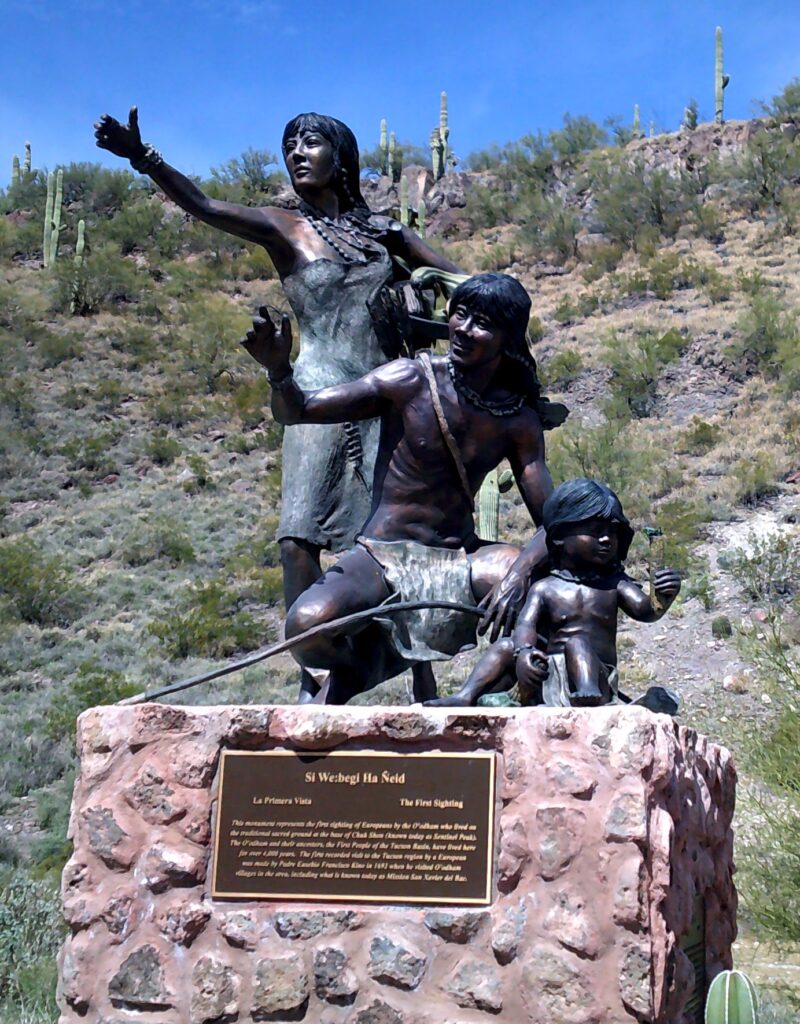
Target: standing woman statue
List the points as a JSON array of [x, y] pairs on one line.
[[333, 257]]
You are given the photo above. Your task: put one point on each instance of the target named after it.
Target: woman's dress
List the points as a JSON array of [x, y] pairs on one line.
[[326, 486]]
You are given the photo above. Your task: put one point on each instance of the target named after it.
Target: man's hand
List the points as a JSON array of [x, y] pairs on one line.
[[502, 605], [269, 347], [119, 139], [667, 584]]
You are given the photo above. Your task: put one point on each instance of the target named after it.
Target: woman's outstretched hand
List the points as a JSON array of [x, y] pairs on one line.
[[268, 346], [120, 139]]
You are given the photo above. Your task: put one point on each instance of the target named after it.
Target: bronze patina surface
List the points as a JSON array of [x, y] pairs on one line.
[[364, 826]]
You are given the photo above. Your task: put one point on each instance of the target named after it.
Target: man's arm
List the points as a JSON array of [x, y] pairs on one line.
[[635, 603], [362, 399], [526, 455]]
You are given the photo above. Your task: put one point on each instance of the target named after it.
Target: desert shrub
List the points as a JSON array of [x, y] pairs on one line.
[[162, 448], [54, 349], [562, 368], [627, 198], [707, 222], [171, 405], [681, 521], [143, 226], [768, 569], [108, 394], [699, 437], [104, 281], [93, 453], [574, 308], [754, 477], [602, 259], [202, 475], [770, 163], [760, 331], [160, 539], [208, 342], [635, 362], [612, 451], [252, 178], [251, 401], [92, 686], [208, 622], [37, 587], [31, 931], [535, 330], [136, 343]]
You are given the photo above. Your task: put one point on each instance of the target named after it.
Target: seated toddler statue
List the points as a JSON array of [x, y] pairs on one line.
[[563, 651]]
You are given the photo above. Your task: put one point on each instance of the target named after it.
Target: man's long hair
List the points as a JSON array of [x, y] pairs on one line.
[[577, 500], [345, 157], [504, 301]]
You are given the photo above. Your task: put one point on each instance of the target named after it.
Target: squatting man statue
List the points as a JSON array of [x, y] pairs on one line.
[[445, 423]]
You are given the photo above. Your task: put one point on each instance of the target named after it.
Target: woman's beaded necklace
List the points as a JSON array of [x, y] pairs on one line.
[[358, 235]]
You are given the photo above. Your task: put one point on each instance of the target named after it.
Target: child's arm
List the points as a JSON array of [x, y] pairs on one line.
[[531, 664], [635, 603]]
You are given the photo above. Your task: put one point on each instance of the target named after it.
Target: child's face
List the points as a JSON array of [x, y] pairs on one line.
[[593, 542]]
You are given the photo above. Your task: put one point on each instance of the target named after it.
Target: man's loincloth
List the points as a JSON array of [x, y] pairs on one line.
[[419, 573], [555, 689]]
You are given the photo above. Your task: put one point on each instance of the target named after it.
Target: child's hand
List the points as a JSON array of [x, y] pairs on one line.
[[532, 668], [667, 584]]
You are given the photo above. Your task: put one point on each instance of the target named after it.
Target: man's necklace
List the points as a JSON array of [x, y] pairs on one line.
[[347, 230], [508, 407]]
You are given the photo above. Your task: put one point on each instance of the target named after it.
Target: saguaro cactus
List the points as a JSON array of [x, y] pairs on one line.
[[436, 154], [15, 170], [732, 999], [444, 130], [384, 147], [52, 217], [77, 280], [26, 167], [489, 508], [720, 80], [637, 127], [404, 201], [422, 211], [394, 163]]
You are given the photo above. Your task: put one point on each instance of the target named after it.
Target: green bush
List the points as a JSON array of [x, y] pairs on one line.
[[92, 686], [54, 349], [562, 368], [162, 448], [36, 587], [31, 931], [755, 476], [602, 259], [769, 569], [93, 453], [699, 437], [770, 163], [209, 622], [635, 362], [162, 538], [251, 400]]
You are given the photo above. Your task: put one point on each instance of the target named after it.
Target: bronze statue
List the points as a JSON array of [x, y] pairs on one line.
[[563, 651], [445, 423], [333, 257]]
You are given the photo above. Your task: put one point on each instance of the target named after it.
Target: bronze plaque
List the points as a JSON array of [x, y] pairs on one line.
[[356, 825]]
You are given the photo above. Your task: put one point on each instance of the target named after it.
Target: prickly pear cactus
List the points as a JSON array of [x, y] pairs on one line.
[[732, 999]]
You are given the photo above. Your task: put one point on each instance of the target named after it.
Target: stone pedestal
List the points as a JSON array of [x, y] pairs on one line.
[[612, 867]]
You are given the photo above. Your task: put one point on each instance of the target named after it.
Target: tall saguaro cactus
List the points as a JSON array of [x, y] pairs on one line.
[[637, 127], [15, 170], [404, 201], [26, 167], [77, 281], [394, 163], [384, 147], [422, 211], [52, 217], [720, 80], [436, 154], [444, 130], [489, 508]]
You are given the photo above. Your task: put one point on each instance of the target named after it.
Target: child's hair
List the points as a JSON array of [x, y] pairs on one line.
[[574, 502]]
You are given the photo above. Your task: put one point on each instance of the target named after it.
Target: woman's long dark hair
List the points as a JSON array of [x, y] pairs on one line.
[[346, 180]]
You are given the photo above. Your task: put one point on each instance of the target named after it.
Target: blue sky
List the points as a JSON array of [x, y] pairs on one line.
[[212, 77]]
